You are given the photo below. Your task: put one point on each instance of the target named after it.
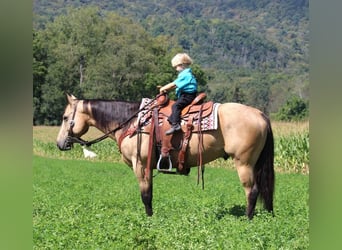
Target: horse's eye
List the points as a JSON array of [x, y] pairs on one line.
[[65, 118]]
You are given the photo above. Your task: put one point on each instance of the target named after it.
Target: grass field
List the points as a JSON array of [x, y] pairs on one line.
[[86, 205], [95, 204]]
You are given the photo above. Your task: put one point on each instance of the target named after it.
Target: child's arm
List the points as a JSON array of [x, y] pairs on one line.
[[167, 87]]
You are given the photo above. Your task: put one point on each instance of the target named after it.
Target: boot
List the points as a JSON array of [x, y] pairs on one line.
[[174, 128]]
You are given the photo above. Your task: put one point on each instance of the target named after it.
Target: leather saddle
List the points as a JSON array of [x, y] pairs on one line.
[[159, 112], [195, 111], [198, 109]]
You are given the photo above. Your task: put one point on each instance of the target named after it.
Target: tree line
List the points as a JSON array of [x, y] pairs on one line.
[[96, 53]]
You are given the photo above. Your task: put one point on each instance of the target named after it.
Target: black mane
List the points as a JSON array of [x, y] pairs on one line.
[[108, 112]]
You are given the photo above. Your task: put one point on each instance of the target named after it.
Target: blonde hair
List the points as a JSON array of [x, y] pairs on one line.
[[180, 59]]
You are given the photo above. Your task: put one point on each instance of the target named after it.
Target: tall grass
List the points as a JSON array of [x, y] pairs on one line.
[[291, 147], [292, 153], [291, 141], [44, 144]]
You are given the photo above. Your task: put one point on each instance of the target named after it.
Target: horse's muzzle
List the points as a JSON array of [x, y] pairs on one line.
[[66, 145]]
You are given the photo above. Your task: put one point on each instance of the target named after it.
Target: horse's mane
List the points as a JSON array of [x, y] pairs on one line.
[[107, 112]]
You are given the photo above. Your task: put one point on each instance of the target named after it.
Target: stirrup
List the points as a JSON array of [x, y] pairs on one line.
[[164, 170]]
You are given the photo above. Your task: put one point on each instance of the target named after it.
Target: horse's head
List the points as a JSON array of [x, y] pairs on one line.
[[74, 123]]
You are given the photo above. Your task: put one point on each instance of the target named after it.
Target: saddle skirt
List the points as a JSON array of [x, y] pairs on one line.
[[205, 113]]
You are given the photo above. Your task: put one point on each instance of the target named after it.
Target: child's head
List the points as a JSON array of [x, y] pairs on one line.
[[181, 59]]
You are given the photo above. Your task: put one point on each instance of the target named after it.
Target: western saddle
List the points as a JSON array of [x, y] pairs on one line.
[[192, 113], [158, 113]]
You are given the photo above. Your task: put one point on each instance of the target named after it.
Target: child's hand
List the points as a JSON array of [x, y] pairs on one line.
[[167, 87], [162, 90]]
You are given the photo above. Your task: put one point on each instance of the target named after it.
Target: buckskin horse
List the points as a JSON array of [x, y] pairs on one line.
[[243, 133]]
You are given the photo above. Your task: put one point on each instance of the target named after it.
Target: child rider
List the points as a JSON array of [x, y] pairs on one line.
[[186, 89]]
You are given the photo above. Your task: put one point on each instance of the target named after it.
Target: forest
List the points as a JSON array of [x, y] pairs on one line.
[[252, 52]]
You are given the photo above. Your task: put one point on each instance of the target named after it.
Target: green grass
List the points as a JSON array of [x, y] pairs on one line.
[[95, 204], [80, 204]]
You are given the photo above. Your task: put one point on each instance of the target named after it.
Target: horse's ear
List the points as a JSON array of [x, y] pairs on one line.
[[71, 98]]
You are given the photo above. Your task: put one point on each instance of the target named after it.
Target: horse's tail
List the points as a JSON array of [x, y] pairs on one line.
[[264, 170]]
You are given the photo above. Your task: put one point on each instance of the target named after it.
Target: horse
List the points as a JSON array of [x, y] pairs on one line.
[[243, 133]]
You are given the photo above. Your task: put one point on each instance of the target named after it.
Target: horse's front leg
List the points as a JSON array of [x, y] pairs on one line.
[[146, 196], [146, 186]]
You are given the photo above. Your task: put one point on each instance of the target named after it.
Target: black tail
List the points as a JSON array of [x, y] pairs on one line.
[[264, 175]]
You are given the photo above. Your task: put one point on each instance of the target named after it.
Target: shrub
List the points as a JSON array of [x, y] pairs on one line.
[[295, 109]]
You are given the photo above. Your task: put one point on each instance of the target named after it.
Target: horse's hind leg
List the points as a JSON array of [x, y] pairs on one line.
[[251, 201], [246, 177]]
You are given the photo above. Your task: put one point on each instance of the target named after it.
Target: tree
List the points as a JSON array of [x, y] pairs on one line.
[[95, 54], [39, 69], [295, 109]]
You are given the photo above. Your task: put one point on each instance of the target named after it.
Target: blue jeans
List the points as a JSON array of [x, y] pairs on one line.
[[184, 100]]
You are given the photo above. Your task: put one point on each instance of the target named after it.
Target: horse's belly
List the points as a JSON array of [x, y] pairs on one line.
[[211, 146]]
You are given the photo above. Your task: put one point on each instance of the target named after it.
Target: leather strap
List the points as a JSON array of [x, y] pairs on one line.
[[181, 154], [148, 167], [200, 149]]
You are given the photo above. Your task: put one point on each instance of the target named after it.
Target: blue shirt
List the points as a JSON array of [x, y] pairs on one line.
[[185, 82]]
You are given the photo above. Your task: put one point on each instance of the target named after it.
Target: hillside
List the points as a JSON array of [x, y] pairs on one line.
[[243, 46]]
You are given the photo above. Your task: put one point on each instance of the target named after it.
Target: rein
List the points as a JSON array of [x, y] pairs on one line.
[[82, 142], [89, 143]]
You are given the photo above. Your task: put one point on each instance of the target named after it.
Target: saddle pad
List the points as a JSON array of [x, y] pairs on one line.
[[207, 123], [145, 114]]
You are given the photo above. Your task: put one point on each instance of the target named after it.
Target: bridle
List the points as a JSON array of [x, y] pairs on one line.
[[73, 139], [72, 121]]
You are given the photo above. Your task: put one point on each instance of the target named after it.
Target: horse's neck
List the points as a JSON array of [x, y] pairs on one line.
[[108, 115]]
